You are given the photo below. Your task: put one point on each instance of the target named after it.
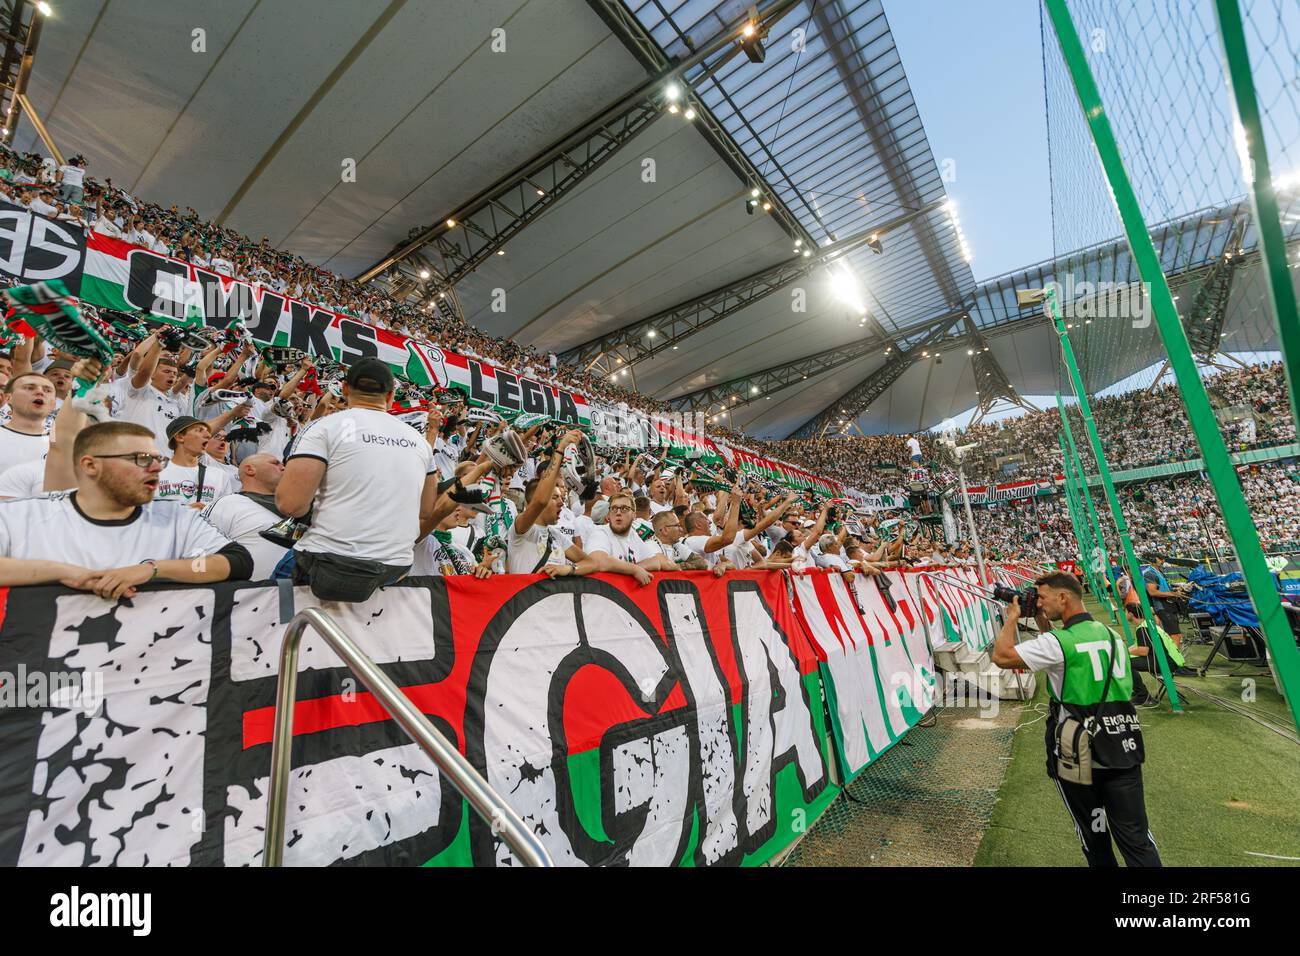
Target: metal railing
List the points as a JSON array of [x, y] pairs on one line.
[[486, 802]]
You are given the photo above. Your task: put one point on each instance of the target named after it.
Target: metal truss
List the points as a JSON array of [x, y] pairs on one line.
[[468, 236], [665, 330], [740, 391], [852, 403], [1204, 321]]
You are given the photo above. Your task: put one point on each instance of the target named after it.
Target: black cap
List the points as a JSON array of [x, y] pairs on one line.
[[370, 375], [178, 425]]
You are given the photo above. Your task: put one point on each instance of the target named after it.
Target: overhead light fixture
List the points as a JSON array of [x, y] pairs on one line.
[[424, 273], [673, 92], [752, 43], [754, 193], [501, 252], [620, 361], [753, 390], [672, 107], [451, 223], [751, 205], [652, 333], [690, 113], [807, 253], [798, 243], [44, 8], [873, 243], [541, 191], [674, 348], [767, 207]]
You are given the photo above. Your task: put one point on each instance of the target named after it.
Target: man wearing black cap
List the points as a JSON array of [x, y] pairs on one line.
[[374, 486]]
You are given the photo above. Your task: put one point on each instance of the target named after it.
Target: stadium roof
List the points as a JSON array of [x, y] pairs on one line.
[[564, 152]]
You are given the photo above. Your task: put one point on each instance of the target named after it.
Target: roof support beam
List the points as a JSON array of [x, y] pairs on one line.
[[855, 71], [750, 388], [1204, 322], [466, 237], [852, 403], [666, 329]]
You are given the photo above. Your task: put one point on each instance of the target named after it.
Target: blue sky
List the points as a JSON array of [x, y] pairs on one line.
[[975, 69]]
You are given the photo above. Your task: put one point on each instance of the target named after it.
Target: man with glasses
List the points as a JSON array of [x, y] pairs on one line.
[[628, 554], [109, 535], [668, 533]]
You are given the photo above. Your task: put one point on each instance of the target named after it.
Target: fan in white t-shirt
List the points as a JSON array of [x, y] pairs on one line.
[[188, 477], [250, 516], [533, 543], [439, 554], [25, 437], [370, 475], [148, 399], [616, 540], [109, 535]]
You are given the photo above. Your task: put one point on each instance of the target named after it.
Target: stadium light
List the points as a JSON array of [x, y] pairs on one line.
[[844, 286], [652, 333], [451, 223], [754, 193], [672, 107], [424, 273], [44, 8], [689, 114], [673, 92]]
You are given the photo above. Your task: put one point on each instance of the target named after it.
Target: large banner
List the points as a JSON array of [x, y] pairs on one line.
[[776, 470], [679, 723], [875, 689], [36, 249], [962, 616], [989, 494]]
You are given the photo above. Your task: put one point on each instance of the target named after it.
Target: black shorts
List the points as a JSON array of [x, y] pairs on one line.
[[1168, 619]]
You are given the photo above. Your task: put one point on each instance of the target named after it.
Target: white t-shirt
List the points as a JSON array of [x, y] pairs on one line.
[[827, 560], [913, 447], [17, 448], [523, 551], [242, 520], [433, 557], [23, 481], [178, 483], [1044, 653], [72, 175], [625, 547], [51, 528], [697, 542], [678, 552], [368, 505], [151, 408], [657, 508]]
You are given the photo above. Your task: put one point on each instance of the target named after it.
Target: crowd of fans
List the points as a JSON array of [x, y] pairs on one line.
[[170, 433], [66, 193]]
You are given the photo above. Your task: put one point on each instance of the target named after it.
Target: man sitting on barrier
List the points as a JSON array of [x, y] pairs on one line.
[[109, 535]]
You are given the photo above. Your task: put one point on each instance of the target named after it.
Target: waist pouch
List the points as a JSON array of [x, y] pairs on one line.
[[336, 577], [1107, 736]]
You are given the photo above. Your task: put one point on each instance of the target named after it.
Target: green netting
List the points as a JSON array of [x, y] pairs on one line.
[[1193, 109]]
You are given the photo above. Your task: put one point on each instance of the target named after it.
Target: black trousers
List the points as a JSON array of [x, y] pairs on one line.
[[1111, 806]]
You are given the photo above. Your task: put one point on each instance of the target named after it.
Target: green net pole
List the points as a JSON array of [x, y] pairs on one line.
[[1076, 519], [1097, 552], [1137, 582], [1218, 466], [1268, 223]]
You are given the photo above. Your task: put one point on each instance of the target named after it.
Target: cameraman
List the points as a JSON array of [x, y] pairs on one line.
[[1087, 667]]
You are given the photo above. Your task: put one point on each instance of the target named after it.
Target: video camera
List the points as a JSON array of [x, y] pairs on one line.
[[1028, 598]]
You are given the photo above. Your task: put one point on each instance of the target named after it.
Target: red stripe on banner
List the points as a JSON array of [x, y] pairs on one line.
[[330, 713], [4, 605], [109, 246]]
